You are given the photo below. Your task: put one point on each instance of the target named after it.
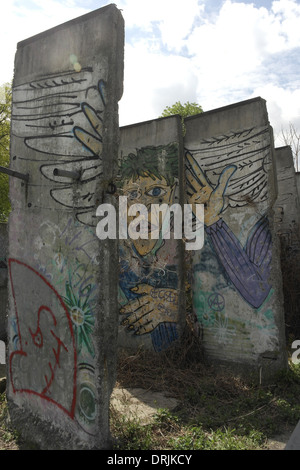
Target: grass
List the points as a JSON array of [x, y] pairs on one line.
[[216, 409], [8, 437]]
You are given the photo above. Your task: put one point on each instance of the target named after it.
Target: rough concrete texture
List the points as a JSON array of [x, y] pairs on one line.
[[294, 441], [298, 182], [62, 279], [237, 285], [288, 229], [151, 287], [3, 280]]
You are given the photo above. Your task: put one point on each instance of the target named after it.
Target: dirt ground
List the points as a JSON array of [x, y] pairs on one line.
[[142, 404]]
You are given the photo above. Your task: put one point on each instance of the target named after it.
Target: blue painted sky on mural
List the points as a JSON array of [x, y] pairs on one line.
[[213, 52]]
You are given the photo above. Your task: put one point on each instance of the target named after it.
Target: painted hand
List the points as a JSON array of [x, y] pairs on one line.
[[92, 142], [153, 307], [201, 192]]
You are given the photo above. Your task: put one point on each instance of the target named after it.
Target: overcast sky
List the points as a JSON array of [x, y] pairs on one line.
[[213, 52]]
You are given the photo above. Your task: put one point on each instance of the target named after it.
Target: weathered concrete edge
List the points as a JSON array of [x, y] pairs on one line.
[[65, 25]]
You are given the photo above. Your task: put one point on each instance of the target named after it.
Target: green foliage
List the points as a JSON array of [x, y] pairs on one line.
[[8, 436], [216, 410], [5, 114], [129, 434], [195, 438], [226, 413], [183, 110]]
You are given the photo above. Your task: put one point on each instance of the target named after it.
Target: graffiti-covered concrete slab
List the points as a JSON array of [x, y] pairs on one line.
[[298, 182], [3, 279], [288, 229], [237, 289], [151, 292], [62, 328]]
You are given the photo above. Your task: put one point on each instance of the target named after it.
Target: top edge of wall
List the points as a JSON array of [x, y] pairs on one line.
[[67, 24], [284, 147], [135, 124], [204, 113], [229, 106]]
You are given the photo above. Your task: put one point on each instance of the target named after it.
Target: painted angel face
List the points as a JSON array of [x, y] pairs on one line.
[[148, 190]]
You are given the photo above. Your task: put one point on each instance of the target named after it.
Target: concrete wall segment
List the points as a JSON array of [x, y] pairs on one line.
[[152, 271], [63, 328], [3, 279], [231, 152], [287, 227]]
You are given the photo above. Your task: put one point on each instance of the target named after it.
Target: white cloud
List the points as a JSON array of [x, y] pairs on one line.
[[283, 107], [230, 52], [212, 52], [19, 22], [152, 82], [174, 19], [238, 53]]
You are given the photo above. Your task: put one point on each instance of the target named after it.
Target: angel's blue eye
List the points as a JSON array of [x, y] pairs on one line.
[[156, 191]]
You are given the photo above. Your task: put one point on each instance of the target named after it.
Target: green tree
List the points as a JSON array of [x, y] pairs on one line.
[[5, 114], [184, 110]]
